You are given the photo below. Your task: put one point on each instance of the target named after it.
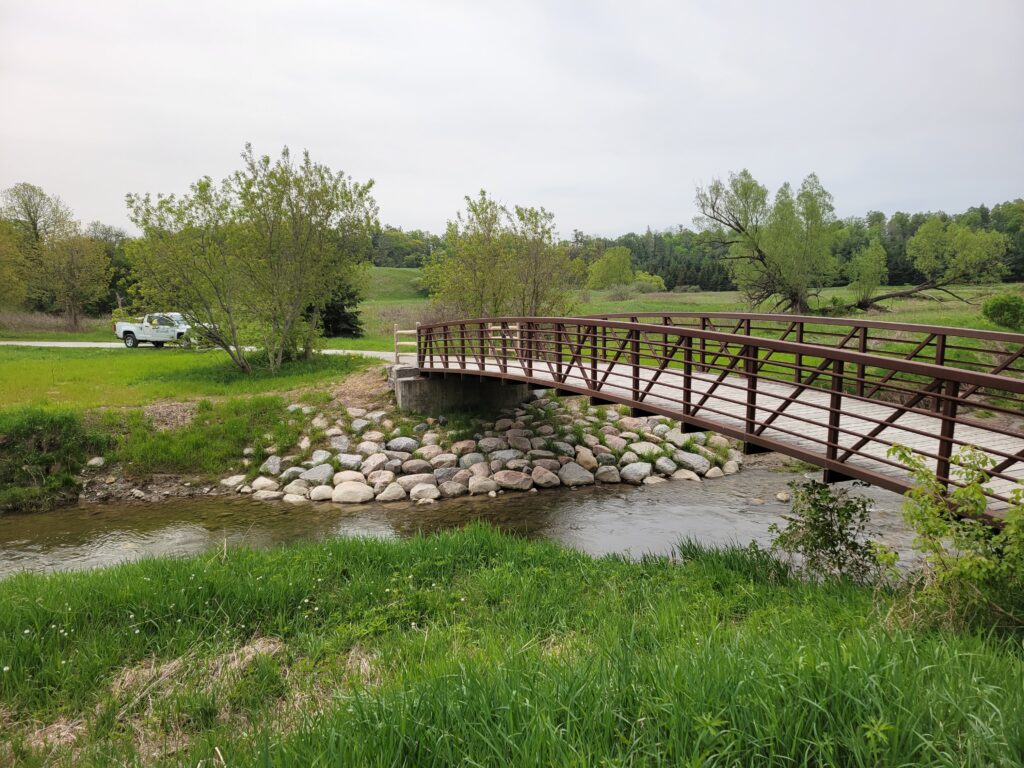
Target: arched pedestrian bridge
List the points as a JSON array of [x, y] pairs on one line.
[[837, 393]]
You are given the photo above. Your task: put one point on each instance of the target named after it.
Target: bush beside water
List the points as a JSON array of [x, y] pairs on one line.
[[41, 453]]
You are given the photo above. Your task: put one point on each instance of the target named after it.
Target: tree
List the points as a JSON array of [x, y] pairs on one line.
[[38, 218], [779, 249], [78, 269], [259, 257], [12, 283], [498, 262], [867, 270], [121, 277], [946, 254], [615, 267]]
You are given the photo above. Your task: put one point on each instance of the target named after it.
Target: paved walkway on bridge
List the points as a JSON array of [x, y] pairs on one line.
[[858, 417]]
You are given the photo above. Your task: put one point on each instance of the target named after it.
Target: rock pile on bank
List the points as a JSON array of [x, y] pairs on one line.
[[545, 443]]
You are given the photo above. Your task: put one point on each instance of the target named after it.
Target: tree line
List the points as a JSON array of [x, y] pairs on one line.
[[274, 255]]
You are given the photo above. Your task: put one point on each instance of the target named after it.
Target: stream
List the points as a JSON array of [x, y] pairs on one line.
[[597, 520]]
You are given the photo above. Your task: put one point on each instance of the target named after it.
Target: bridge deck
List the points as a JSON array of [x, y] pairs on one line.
[[792, 426]]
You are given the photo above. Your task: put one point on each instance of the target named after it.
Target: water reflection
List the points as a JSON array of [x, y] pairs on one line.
[[624, 520]]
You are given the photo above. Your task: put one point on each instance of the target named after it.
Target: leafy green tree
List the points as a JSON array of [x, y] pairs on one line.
[[498, 262], [947, 254], [12, 283], [38, 218], [615, 267], [257, 258], [867, 270], [79, 271], [779, 249], [647, 282]]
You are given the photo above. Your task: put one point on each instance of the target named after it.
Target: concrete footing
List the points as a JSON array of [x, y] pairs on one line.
[[444, 393]]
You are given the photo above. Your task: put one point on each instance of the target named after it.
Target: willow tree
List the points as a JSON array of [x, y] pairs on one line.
[[255, 259], [779, 248]]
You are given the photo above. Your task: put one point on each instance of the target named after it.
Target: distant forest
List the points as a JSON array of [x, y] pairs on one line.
[[683, 257]]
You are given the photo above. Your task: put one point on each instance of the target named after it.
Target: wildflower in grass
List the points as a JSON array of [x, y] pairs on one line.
[[7, 669]]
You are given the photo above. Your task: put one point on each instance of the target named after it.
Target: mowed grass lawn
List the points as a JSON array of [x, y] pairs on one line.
[[90, 378]]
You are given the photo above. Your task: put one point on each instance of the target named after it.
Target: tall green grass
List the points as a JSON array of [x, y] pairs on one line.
[[474, 648]]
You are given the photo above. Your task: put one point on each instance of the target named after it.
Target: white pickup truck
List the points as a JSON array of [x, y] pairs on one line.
[[157, 329]]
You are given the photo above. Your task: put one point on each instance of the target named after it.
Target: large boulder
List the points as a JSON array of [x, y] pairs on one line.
[[615, 442], [607, 474], [489, 444], [374, 462], [685, 474], [645, 450], [443, 460], [424, 492], [665, 466], [319, 457], [511, 480], [691, 461], [352, 493], [676, 437], [506, 455], [635, 473], [586, 459], [730, 468], [408, 482], [339, 443], [321, 493], [572, 474], [407, 444], [481, 485], [416, 466], [469, 459], [264, 484], [349, 476], [519, 443], [544, 478], [296, 488], [463, 447], [393, 492], [268, 495], [444, 474], [318, 475], [450, 489], [349, 460], [272, 466]]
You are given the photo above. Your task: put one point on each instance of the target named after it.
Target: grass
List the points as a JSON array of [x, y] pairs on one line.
[[474, 648], [89, 378], [210, 445]]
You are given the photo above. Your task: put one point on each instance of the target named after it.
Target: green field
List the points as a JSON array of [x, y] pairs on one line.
[[393, 299], [92, 378], [475, 648]]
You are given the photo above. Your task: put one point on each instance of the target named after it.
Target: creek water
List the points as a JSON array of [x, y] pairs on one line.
[[598, 520]]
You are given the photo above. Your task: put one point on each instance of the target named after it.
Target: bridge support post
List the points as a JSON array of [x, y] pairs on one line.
[[419, 394]]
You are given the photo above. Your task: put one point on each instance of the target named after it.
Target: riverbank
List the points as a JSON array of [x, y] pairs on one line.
[[477, 646]]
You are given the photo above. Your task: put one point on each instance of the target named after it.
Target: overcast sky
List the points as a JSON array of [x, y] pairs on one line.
[[608, 114]]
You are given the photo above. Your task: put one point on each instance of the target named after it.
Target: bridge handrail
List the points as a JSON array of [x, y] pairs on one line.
[[946, 330], [930, 370]]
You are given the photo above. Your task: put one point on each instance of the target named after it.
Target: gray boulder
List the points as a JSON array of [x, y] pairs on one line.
[[407, 444], [665, 466], [572, 475], [321, 493], [408, 482], [268, 495], [444, 460], [607, 474], [374, 462], [450, 489], [469, 459], [349, 460], [644, 449], [416, 466], [318, 475], [272, 466], [489, 444], [635, 473], [264, 484], [692, 461], [340, 443]]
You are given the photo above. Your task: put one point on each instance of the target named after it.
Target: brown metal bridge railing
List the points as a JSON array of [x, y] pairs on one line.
[[775, 382]]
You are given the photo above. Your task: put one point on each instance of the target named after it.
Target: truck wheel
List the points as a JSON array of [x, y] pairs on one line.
[[129, 341], [158, 344]]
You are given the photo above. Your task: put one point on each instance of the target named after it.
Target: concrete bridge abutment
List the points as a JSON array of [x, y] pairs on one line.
[[444, 393]]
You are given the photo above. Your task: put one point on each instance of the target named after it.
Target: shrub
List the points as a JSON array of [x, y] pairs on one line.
[[1006, 309], [644, 282], [974, 571], [826, 529], [41, 453]]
